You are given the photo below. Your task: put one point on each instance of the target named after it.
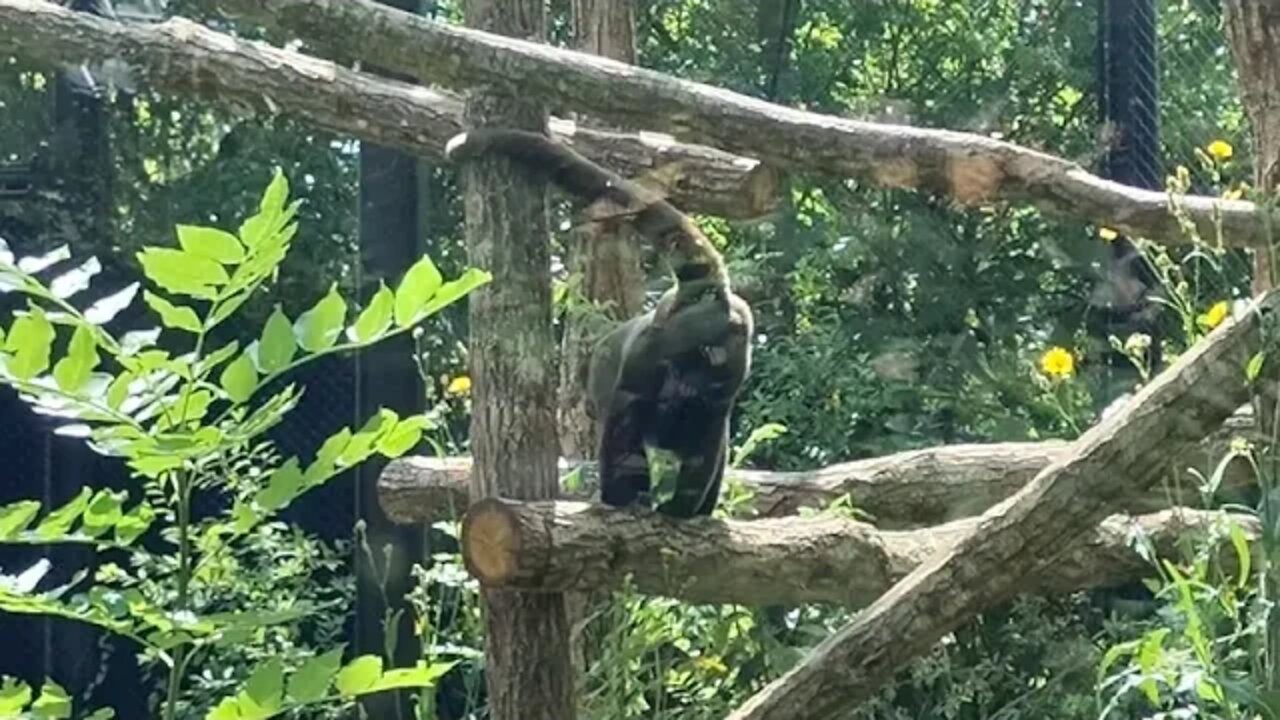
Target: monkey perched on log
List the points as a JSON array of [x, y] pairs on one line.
[[666, 379]]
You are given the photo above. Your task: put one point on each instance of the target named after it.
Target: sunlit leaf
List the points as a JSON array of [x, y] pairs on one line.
[[359, 675], [211, 243], [72, 372], [318, 328], [53, 703], [277, 346], [174, 316], [59, 521], [239, 378], [16, 517], [183, 273], [455, 290], [105, 309], [421, 675], [376, 318], [420, 283], [404, 437], [29, 341], [75, 280], [33, 265]]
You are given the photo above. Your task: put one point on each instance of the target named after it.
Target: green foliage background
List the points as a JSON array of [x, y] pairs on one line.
[[887, 320]]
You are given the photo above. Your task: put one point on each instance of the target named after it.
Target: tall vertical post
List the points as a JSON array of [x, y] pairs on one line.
[[513, 371], [390, 241]]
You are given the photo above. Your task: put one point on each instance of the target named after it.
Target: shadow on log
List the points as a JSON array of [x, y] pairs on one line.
[[565, 546]]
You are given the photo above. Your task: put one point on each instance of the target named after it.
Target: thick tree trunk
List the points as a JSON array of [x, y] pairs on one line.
[[1024, 535], [183, 58], [567, 546], [971, 169], [1253, 32], [513, 441]]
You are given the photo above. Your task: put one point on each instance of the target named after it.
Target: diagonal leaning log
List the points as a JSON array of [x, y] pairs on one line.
[[1024, 534]]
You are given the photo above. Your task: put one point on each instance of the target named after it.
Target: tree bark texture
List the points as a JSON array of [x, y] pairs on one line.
[[1253, 33], [184, 58], [912, 489], [1026, 534], [970, 169], [512, 356], [565, 546]]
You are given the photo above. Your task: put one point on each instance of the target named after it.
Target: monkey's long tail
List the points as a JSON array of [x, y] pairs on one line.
[[693, 256]]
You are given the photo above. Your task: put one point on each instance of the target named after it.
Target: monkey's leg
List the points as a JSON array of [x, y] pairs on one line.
[[712, 496], [701, 468], [624, 467]]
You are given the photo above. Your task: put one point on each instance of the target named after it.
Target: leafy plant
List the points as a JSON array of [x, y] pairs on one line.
[[190, 422]]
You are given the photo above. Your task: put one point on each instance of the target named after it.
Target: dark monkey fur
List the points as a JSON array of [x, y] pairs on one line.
[[666, 379]]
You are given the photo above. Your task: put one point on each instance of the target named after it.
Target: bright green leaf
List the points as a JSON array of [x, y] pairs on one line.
[[359, 675], [421, 675], [277, 346], [14, 697], [455, 290], [1254, 368], [59, 521], [174, 316], [30, 341], [404, 437], [420, 283], [16, 517], [212, 243], [239, 378], [53, 703], [73, 371], [103, 512], [376, 318], [318, 328], [183, 273], [276, 193]]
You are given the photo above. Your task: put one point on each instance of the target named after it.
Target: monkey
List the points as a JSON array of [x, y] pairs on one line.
[[665, 380]]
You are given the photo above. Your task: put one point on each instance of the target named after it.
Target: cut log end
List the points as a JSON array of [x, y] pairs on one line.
[[491, 542]]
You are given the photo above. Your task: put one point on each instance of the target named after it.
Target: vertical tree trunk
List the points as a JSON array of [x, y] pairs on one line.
[[1254, 36], [1253, 32], [513, 434]]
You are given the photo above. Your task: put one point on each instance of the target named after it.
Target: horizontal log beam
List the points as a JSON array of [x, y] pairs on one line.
[[570, 546], [911, 489], [971, 169], [180, 57]]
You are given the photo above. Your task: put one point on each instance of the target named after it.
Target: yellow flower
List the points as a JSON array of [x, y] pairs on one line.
[[1214, 316], [1220, 149], [1107, 234], [460, 385], [1057, 363]]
